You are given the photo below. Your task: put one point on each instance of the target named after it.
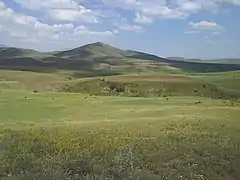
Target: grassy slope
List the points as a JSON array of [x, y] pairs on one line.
[[18, 80], [91, 51], [218, 61], [226, 80], [221, 85], [134, 138], [138, 137], [18, 52], [225, 61], [102, 56]]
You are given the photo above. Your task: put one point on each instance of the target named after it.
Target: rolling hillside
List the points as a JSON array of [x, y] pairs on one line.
[[3, 46], [92, 51], [102, 57], [216, 61], [12, 52], [225, 61]]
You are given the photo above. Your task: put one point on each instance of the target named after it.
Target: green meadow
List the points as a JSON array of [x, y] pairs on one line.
[[53, 127]]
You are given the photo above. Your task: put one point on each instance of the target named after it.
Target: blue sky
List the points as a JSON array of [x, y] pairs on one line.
[[189, 28]]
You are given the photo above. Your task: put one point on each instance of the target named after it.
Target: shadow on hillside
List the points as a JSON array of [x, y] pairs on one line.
[[201, 67], [29, 68], [204, 67], [94, 73], [53, 63], [103, 87]]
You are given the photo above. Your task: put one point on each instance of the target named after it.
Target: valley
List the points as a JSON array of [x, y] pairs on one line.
[[98, 112]]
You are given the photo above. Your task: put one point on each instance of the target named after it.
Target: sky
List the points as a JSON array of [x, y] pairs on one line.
[[205, 29]]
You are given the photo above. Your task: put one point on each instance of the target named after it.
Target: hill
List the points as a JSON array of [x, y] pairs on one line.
[[217, 61], [99, 56], [99, 50], [225, 61], [177, 58], [3, 46], [91, 51], [12, 52], [171, 126]]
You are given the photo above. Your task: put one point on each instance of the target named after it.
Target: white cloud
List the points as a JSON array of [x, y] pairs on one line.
[[2, 5], [84, 15], [124, 4], [141, 19], [152, 9], [116, 31], [41, 5], [61, 10], [190, 6], [216, 33], [211, 42], [17, 28], [124, 25], [209, 5], [191, 32], [134, 28], [146, 11], [205, 25], [235, 2], [164, 12], [195, 6], [149, 10]]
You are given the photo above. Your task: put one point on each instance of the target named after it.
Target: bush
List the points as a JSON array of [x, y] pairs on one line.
[[116, 87]]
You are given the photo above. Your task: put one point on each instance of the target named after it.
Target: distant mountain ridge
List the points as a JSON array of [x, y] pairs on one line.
[[101, 50], [226, 61], [97, 55], [3, 46], [220, 61], [10, 52], [176, 58], [93, 50]]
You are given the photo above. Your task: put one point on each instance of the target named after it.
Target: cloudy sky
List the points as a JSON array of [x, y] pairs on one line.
[[189, 28]]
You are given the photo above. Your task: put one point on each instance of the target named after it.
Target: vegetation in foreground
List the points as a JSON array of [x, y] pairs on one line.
[[59, 135], [68, 136], [159, 85]]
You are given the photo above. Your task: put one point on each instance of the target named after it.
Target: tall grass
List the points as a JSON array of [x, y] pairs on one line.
[[196, 149]]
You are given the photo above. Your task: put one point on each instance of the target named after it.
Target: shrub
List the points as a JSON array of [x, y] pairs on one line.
[[116, 87]]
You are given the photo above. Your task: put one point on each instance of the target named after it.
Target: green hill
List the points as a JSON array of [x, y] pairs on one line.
[[99, 56], [94, 50], [177, 58], [3, 46], [99, 50], [11, 52], [217, 61], [225, 61]]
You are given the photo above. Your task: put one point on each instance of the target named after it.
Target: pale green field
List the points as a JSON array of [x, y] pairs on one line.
[[29, 107], [53, 135]]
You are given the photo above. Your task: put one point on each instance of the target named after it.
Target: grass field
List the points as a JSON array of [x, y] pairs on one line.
[[18, 80], [59, 135], [215, 85]]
